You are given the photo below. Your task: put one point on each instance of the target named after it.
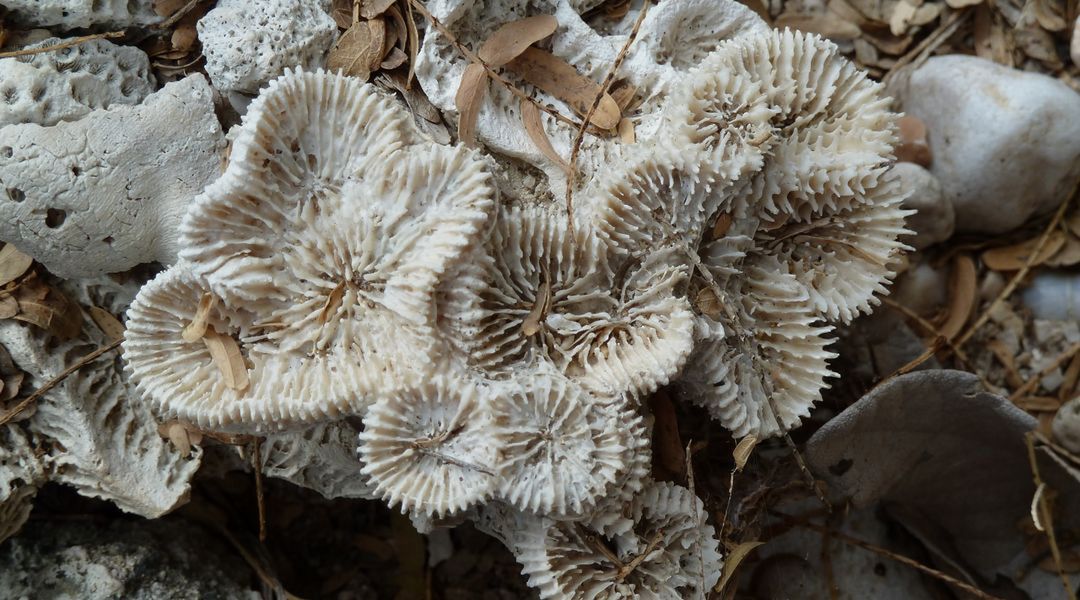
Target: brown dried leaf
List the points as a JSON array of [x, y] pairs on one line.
[[669, 453], [369, 9], [511, 39], [743, 450], [1048, 14], [178, 435], [982, 32], [626, 131], [8, 307], [962, 3], [414, 42], [913, 146], [393, 60], [414, 96], [1069, 254], [722, 225], [12, 264], [624, 93], [887, 42], [927, 13], [708, 304], [359, 51], [530, 117], [1013, 258], [554, 76], [902, 14], [963, 292], [167, 8], [1039, 403], [828, 25], [48, 309], [469, 98], [197, 328], [107, 323], [342, 13], [184, 37], [225, 353], [732, 560]]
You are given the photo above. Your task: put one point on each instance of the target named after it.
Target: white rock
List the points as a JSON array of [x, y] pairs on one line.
[[67, 84], [107, 192], [935, 220], [1066, 425], [1074, 45], [71, 14], [1006, 143], [922, 288], [249, 42], [1054, 295]]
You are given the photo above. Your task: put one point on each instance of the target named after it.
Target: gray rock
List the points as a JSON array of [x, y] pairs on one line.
[[1054, 295], [135, 560], [1006, 143], [935, 220]]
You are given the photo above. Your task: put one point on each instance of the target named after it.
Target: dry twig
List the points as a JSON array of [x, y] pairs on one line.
[[69, 43]]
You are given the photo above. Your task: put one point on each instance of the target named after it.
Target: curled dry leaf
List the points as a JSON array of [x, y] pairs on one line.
[[360, 50], [369, 9], [342, 13], [9, 307], [530, 117], [107, 323], [226, 355], [197, 327], [470, 97], [1014, 257], [1069, 254], [626, 131], [49, 309], [393, 60], [963, 290], [12, 264], [560, 79], [184, 36], [511, 39], [743, 450]]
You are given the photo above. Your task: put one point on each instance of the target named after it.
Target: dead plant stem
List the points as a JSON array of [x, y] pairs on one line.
[[68, 44]]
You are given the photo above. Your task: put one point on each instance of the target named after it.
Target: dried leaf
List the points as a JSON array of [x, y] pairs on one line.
[[669, 453], [342, 13], [359, 51], [393, 60], [369, 9], [8, 307], [1039, 403], [743, 450], [927, 13], [624, 93], [626, 131], [961, 3], [828, 25], [1013, 258], [1073, 223], [732, 560], [12, 264], [1007, 358], [196, 329], [176, 433], [184, 37], [49, 309], [1069, 254], [554, 76], [722, 225], [1048, 15], [963, 291], [982, 32], [414, 96], [530, 117], [511, 39], [167, 8], [901, 16], [469, 98], [414, 42], [225, 353], [107, 323], [708, 304]]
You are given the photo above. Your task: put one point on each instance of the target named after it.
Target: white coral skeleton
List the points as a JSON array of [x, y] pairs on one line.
[[497, 351]]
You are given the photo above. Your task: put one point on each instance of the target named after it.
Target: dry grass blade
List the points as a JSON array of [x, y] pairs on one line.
[[963, 291], [67, 44], [414, 42], [469, 98], [560, 79], [1041, 508], [732, 560], [225, 353], [359, 51], [847, 539], [511, 39], [1014, 257], [195, 330], [12, 264], [1019, 276], [530, 117], [38, 393], [106, 322]]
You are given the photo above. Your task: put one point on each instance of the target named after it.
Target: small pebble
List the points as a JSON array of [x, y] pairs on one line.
[[935, 220]]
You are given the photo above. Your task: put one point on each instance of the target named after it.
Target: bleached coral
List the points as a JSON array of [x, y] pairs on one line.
[[74, 14]]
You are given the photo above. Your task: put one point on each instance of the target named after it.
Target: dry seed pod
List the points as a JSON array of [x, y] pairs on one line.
[[534, 294], [773, 349], [181, 379], [670, 552], [564, 449], [434, 448]]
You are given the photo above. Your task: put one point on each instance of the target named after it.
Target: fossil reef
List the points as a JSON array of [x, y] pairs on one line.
[[471, 261]]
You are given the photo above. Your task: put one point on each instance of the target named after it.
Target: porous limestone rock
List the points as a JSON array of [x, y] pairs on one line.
[[107, 192], [249, 42], [91, 559], [73, 14], [934, 220], [1006, 143], [65, 85]]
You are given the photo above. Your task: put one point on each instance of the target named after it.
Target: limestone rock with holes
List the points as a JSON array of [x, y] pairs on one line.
[[106, 193], [1006, 143], [73, 14], [67, 84], [935, 219], [249, 42]]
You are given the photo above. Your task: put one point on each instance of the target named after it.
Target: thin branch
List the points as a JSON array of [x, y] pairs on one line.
[[847, 539], [1034, 381], [492, 73], [931, 329], [82, 362], [580, 135], [260, 500], [69, 43]]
